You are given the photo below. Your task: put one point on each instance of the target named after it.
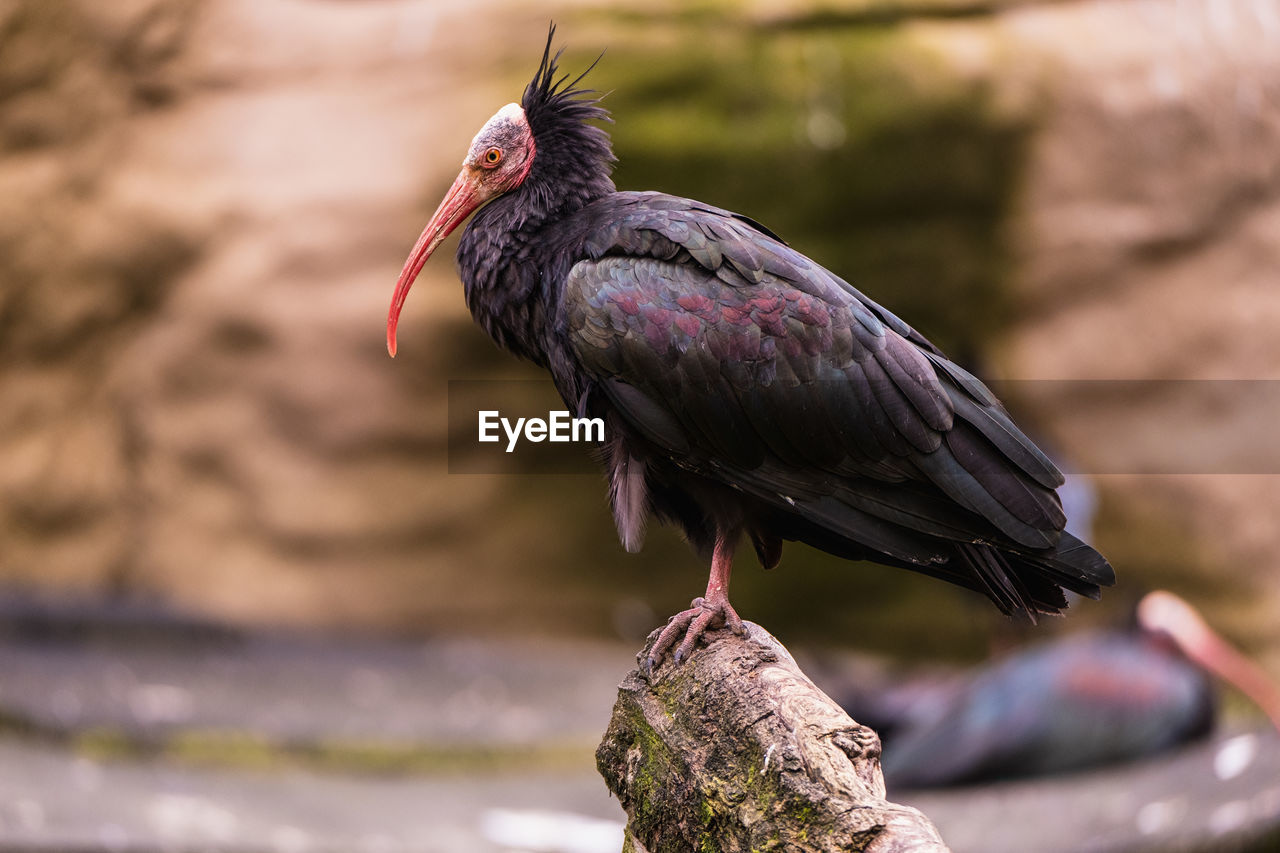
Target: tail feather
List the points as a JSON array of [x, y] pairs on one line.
[[1079, 560], [1032, 582]]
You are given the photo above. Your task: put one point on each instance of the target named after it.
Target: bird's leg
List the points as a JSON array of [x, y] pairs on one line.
[[712, 610]]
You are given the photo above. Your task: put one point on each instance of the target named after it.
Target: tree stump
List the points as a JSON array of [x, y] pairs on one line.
[[736, 750]]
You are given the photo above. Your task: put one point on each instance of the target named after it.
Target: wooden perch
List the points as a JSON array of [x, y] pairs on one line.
[[737, 750]]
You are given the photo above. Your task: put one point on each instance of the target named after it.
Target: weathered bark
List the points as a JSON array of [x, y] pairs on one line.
[[737, 750]]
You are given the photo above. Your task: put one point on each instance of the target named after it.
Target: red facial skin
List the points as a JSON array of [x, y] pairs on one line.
[[497, 162]]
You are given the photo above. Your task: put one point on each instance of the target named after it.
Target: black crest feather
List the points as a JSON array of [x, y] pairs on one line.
[[569, 148], [548, 98]]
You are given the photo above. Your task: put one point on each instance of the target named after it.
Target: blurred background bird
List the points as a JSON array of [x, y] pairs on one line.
[[1077, 703]]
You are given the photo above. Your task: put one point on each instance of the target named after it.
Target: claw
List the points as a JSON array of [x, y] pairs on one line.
[[711, 611], [688, 626], [695, 632]]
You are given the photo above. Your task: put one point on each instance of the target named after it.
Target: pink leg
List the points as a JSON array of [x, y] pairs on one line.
[[710, 611]]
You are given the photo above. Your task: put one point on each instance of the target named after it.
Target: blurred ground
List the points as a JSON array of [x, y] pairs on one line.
[[145, 731], [136, 729]]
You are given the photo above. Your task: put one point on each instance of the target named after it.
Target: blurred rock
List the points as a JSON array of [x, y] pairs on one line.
[[198, 221], [81, 271], [1149, 252]]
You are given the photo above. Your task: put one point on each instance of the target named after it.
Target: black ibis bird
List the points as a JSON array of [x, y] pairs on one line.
[[1083, 701], [745, 390]]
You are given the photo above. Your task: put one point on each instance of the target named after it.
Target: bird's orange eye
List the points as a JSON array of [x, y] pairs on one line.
[[493, 157]]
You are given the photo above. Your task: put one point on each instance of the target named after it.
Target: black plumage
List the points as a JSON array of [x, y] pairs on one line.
[[745, 388]]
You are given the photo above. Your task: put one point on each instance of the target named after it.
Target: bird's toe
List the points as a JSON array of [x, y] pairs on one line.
[[675, 629], [683, 630], [696, 629], [731, 619]]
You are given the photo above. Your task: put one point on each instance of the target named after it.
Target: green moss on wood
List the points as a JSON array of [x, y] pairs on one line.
[[686, 750]]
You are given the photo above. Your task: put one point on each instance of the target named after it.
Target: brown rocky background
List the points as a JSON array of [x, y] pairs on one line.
[[204, 204], [1150, 246]]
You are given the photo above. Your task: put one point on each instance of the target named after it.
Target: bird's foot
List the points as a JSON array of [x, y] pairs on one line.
[[691, 624]]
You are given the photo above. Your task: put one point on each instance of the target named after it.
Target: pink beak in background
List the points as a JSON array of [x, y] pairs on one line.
[[1166, 613], [463, 197]]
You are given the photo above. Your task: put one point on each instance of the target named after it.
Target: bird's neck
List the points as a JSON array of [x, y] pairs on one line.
[[510, 257]]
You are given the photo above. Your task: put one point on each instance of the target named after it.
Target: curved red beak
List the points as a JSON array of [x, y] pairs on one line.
[[463, 197]]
